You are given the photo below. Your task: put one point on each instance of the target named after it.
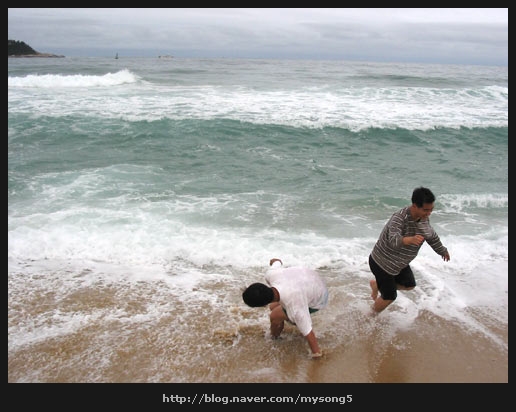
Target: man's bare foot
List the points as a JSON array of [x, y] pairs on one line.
[[374, 288]]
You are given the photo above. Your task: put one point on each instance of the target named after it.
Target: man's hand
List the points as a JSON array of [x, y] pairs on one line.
[[275, 260], [415, 240]]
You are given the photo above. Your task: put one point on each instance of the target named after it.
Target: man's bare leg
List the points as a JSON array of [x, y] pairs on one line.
[[374, 289], [380, 304]]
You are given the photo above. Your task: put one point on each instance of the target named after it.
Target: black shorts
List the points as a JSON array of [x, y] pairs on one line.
[[388, 284], [311, 310]]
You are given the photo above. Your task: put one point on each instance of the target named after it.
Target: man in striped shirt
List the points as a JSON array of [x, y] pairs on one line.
[[398, 245]]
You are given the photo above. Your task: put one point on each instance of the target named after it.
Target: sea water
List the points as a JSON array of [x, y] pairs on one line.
[[144, 194]]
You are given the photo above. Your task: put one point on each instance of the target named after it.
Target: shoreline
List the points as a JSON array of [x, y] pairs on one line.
[[35, 55]]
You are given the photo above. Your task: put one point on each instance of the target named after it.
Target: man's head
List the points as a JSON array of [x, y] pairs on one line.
[[257, 295], [423, 200], [421, 196]]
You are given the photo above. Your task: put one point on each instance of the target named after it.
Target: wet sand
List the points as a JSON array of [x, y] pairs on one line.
[[434, 351], [202, 343]]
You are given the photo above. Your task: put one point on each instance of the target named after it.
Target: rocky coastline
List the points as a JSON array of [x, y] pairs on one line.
[[20, 49]]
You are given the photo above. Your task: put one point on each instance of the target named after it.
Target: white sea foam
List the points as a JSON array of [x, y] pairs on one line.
[[346, 107]]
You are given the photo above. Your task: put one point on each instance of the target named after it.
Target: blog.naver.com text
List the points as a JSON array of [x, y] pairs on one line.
[[210, 398]]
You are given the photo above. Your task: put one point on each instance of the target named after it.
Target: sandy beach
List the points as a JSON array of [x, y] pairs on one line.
[[201, 344], [434, 351]]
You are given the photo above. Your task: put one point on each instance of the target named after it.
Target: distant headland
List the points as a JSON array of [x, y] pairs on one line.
[[20, 49]]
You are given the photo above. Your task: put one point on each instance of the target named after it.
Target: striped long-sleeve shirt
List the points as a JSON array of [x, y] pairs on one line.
[[391, 254]]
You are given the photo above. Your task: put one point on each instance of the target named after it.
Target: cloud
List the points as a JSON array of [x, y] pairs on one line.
[[471, 36]]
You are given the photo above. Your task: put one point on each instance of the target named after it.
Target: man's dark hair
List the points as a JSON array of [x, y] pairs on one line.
[[422, 195], [257, 295]]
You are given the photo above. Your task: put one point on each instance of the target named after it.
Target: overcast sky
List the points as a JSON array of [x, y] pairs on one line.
[[456, 36]]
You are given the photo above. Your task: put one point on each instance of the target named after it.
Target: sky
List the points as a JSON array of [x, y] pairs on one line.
[[477, 36]]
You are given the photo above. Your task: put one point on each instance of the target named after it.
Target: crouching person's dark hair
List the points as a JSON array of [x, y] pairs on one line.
[[257, 295]]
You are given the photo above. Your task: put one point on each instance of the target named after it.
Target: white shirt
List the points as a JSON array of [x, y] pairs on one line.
[[299, 288]]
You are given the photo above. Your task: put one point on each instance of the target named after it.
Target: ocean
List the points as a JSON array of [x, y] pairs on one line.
[[145, 194]]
